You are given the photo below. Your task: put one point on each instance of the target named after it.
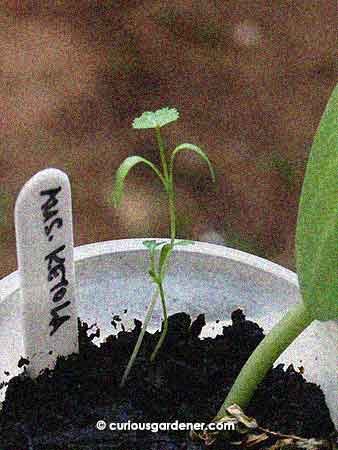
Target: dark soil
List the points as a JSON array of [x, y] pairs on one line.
[[188, 382]]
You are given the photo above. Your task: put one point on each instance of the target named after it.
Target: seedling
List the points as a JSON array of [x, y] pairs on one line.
[[165, 173], [316, 257]]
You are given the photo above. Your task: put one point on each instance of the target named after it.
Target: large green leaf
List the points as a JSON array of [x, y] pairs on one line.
[[316, 236], [123, 171]]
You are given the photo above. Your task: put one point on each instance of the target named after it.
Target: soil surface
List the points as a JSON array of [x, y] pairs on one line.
[[187, 383]]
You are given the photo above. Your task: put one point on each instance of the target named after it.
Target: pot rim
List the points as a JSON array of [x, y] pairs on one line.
[[10, 283]]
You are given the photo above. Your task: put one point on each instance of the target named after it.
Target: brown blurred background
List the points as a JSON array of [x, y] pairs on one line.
[[250, 79]]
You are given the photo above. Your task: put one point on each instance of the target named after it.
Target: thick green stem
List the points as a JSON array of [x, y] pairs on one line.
[[262, 359], [140, 338], [165, 324]]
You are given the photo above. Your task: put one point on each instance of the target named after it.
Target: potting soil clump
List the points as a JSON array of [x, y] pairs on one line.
[[79, 404]]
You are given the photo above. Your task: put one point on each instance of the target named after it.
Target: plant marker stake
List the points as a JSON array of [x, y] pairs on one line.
[[44, 236]]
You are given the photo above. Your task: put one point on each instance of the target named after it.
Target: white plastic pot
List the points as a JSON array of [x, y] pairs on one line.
[[202, 278]]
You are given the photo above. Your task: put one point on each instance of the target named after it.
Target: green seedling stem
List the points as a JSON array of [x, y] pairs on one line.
[[168, 186], [140, 339], [165, 323]]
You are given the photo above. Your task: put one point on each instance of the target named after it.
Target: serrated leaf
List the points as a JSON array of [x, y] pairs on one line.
[[316, 241], [165, 252], [123, 171], [197, 150], [156, 119]]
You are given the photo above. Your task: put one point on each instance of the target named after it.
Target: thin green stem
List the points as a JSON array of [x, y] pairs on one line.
[[172, 212], [165, 323], [169, 185], [262, 359], [162, 153], [172, 207], [152, 261], [140, 338]]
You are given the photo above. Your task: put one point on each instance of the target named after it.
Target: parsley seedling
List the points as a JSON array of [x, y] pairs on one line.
[[157, 270]]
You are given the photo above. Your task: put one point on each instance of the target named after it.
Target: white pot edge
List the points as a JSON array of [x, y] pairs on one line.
[[10, 283]]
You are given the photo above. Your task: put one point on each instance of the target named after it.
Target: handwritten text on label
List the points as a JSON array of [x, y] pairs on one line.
[[55, 259]]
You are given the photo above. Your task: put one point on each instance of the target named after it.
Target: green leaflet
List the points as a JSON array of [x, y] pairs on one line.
[[316, 243], [152, 244], [195, 149], [166, 252], [156, 119], [164, 255], [123, 171], [183, 242], [167, 248]]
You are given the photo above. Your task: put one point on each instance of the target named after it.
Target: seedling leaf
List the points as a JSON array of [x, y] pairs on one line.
[[165, 253], [123, 171], [197, 150], [153, 276], [184, 242], [316, 245], [152, 244], [156, 119]]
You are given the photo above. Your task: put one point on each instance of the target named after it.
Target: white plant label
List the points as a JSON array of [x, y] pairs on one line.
[[44, 235]]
